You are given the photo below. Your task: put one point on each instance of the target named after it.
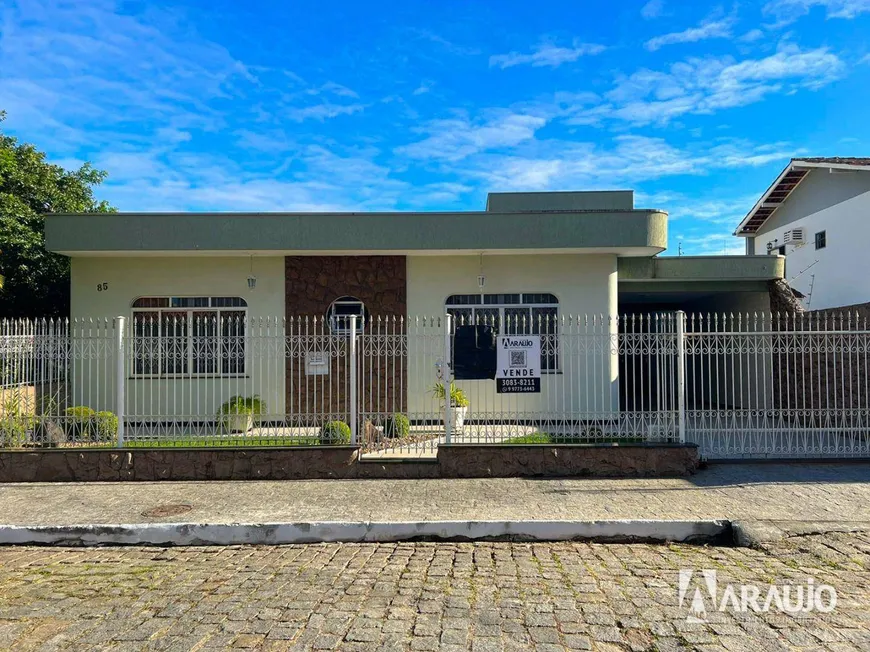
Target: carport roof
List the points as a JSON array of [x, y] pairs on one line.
[[702, 269]]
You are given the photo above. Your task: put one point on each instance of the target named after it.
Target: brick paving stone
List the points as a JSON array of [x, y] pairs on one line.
[[483, 596]]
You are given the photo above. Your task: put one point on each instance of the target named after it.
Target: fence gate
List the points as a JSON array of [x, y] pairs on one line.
[[778, 386]]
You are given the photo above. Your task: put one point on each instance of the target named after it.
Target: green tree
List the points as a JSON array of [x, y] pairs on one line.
[[37, 281]]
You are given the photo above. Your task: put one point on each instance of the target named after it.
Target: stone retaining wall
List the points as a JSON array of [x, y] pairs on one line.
[[590, 460], [342, 462]]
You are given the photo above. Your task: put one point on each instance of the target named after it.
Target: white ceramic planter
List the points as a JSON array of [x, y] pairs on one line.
[[457, 418], [239, 422]]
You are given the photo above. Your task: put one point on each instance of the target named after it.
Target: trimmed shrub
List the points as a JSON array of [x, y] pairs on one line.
[[106, 426], [79, 422], [334, 432], [397, 426]]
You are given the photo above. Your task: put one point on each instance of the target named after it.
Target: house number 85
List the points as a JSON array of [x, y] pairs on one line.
[[102, 287]]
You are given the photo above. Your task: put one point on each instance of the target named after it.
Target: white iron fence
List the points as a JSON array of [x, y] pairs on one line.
[[740, 386]]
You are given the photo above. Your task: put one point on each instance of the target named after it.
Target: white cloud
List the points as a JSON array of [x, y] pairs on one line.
[[701, 224], [323, 111], [698, 86], [333, 89], [320, 180], [751, 36], [709, 28], [563, 165], [457, 138], [176, 120], [787, 11], [716, 243], [723, 211], [546, 55], [446, 44], [438, 194], [652, 9]]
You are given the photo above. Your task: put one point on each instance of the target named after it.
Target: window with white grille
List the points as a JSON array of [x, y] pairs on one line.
[[189, 336], [526, 313]]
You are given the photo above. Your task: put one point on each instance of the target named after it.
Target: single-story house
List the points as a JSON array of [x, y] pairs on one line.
[[527, 256]]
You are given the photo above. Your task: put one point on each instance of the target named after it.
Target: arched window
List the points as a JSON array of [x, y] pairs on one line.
[[341, 310], [189, 336], [518, 313]]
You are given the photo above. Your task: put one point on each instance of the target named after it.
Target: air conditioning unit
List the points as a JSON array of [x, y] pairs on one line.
[[794, 237]]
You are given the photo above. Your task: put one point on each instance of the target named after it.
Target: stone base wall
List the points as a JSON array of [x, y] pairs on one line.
[[600, 461], [328, 462], [179, 464]]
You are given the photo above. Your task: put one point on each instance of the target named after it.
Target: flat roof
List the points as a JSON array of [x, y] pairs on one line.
[[705, 269], [623, 232]]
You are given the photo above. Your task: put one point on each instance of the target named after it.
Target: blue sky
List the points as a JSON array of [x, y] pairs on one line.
[[263, 105]]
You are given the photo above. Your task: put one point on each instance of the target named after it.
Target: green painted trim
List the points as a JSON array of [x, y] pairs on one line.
[[399, 232], [654, 286], [702, 268]]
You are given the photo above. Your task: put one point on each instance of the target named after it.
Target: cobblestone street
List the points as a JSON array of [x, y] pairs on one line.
[[420, 596]]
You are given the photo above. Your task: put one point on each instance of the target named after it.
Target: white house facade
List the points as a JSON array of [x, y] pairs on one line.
[[817, 214], [226, 304]]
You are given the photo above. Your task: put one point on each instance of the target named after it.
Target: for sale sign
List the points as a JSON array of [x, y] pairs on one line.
[[519, 364]]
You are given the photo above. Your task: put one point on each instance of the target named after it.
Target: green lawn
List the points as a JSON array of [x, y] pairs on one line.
[[546, 438]]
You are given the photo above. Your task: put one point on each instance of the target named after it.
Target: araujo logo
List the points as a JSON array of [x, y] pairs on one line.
[[508, 343], [704, 594]]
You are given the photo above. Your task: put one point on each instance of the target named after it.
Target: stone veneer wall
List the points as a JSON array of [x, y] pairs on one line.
[[593, 460], [312, 283], [334, 462]]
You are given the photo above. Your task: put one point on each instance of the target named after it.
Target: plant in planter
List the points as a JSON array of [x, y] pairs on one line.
[[238, 413], [458, 404]]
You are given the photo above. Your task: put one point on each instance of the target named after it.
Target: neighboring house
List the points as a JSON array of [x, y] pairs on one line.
[[817, 214], [528, 255]]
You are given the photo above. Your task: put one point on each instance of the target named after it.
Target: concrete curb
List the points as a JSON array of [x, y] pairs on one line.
[[203, 534]]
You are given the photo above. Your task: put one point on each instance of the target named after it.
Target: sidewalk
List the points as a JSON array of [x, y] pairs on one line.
[[834, 493]]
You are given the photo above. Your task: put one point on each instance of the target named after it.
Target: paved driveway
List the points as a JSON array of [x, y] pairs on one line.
[[420, 596]]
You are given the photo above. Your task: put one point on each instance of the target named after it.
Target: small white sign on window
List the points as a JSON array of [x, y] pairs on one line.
[[317, 363]]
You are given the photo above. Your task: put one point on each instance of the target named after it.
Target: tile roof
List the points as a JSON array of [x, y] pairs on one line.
[[836, 160], [783, 186]]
